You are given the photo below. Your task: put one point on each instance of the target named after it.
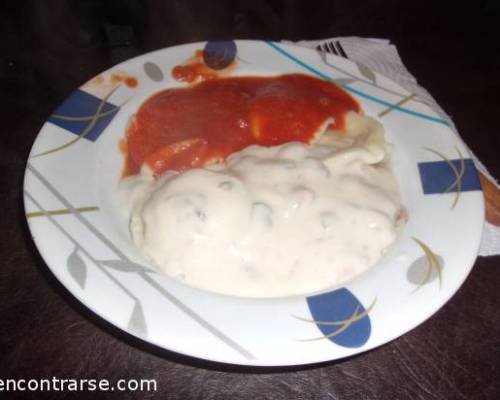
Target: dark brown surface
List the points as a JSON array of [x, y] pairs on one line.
[[48, 48]]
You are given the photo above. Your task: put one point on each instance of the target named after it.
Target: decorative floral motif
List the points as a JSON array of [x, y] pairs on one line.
[[422, 272], [433, 266], [153, 71], [91, 126], [456, 185], [398, 104], [77, 268], [219, 54], [137, 322], [340, 317], [59, 211]]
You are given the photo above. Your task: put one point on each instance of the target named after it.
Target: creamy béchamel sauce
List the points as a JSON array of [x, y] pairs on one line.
[[272, 221]]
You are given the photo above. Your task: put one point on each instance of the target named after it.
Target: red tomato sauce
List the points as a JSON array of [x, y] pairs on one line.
[[119, 77], [194, 69], [182, 128]]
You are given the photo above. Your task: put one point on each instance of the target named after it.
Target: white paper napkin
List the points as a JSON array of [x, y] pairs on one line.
[[382, 56]]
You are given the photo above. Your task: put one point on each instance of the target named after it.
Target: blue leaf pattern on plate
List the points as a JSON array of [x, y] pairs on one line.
[[219, 54], [331, 311], [437, 176], [83, 106]]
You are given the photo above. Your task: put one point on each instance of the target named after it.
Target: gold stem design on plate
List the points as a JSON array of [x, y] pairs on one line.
[[343, 324], [458, 173], [398, 104], [432, 263], [92, 121], [86, 117], [60, 211]]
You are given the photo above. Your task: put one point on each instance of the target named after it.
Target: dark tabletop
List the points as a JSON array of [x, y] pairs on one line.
[[48, 48]]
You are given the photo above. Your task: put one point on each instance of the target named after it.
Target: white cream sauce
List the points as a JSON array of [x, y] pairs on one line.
[[272, 221]]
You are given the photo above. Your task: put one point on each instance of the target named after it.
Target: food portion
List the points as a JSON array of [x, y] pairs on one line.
[[182, 128], [295, 210]]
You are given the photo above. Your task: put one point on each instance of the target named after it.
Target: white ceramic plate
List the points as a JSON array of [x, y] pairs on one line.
[[70, 188]]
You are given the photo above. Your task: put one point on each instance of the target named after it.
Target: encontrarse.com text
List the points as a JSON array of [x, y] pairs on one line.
[[76, 385]]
